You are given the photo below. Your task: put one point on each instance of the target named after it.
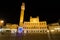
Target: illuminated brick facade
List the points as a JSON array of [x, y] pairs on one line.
[[33, 25]]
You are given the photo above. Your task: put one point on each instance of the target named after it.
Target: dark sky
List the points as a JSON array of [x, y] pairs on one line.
[[46, 10]]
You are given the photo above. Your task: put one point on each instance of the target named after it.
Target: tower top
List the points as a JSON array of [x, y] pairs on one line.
[[23, 6]]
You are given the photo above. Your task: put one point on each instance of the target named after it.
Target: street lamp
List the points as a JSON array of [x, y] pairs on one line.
[[1, 23]]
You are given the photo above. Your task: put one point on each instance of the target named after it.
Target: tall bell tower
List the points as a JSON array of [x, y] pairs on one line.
[[22, 14]]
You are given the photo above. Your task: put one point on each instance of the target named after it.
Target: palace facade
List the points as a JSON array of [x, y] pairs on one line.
[[34, 25]]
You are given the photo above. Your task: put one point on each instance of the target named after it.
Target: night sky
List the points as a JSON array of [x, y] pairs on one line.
[[46, 10]]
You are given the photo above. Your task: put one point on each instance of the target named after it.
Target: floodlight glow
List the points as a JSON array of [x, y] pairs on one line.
[[25, 32], [13, 30], [56, 28], [47, 30], [52, 30], [2, 21]]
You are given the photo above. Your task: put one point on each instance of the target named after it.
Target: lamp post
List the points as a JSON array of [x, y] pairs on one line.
[[1, 23]]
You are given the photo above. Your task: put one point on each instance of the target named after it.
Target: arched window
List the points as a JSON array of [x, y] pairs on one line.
[[34, 30], [37, 30], [41, 31]]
